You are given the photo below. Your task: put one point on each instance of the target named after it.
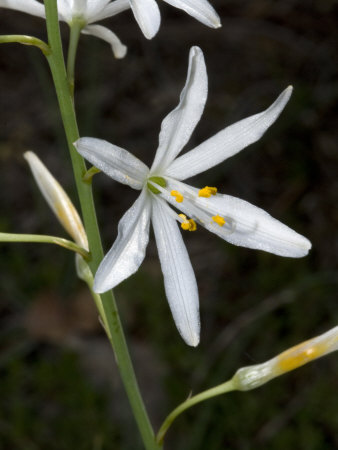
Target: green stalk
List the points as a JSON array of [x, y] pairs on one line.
[[213, 392], [25, 40], [111, 316], [75, 31], [43, 239]]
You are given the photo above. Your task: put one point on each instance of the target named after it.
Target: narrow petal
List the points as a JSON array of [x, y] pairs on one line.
[[179, 278], [252, 227], [245, 224], [116, 162], [104, 33], [227, 142], [128, 251], [112, 9], [178, 126], [147, 15], [200, 10], [58, 200], [28, 6]]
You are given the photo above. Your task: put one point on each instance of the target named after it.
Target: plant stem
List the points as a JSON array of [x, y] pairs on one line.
[[223, 388], [111, 316], [43, 239], [75, 30], [26, 40]]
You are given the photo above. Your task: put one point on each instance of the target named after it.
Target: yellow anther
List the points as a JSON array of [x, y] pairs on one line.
[[188, 224], [219, 220], [178, 196], [207, 192]]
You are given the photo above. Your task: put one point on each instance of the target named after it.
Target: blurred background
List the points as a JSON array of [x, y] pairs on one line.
[[59, 386]]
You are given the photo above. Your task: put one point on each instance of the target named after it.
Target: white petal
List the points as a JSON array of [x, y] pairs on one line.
[[227, 142], [110, 10], [179, 278], [104, 33], [199, 9], [116, 162], [147, 15], [128, 251], [246, 225], [177, 127], [28, 6]]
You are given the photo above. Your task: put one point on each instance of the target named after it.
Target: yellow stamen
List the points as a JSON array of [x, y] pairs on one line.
[[207, 192], [188, 224], [178, 196], [219, 220]]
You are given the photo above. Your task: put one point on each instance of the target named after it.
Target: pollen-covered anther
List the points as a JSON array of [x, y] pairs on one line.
[[219, 220], [188, 224], [178, 196], [207, 192]]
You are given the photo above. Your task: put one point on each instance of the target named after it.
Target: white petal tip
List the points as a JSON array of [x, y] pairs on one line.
[[121, 53], [193, 339], [27, 155]]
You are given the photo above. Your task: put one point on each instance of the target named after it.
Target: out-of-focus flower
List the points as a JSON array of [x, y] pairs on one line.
[[252, 377], [84, 12], [58, 200], [234, 220], [147, 13]]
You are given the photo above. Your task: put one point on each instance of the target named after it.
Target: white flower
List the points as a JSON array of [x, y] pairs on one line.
[[234, 220], [86, 12], [147, 13]]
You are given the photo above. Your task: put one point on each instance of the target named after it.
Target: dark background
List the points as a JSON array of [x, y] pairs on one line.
[[59, 387]]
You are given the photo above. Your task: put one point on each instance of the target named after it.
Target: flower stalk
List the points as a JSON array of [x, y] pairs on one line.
[[43, 239], [26, 40], [251, 377], [109, 311]]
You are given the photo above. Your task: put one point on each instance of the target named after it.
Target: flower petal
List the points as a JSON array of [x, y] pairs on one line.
[[107, 35], [200, 10], [128, 251], [116, 162], [177, 127], [255, 228], [110, 10], [179, 278], [227, 142], [147, 15], [245, 224], [28, 6]]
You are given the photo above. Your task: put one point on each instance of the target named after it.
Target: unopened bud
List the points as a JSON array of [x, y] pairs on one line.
[[251, 377], [58, 200]]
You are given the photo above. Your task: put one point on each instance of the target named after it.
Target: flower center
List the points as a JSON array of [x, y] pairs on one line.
[[156, 180]]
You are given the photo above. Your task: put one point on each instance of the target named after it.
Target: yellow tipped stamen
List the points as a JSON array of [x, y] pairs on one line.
[[207, 192], [219, 220], [188, 224], [178, 196]]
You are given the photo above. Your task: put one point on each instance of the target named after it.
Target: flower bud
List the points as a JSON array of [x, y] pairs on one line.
[[58, 200], [251, 377]]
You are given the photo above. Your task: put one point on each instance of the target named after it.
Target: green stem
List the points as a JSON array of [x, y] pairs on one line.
[[75, 31], [111, 315], [43, 239], [223, 388], [26, 40]]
